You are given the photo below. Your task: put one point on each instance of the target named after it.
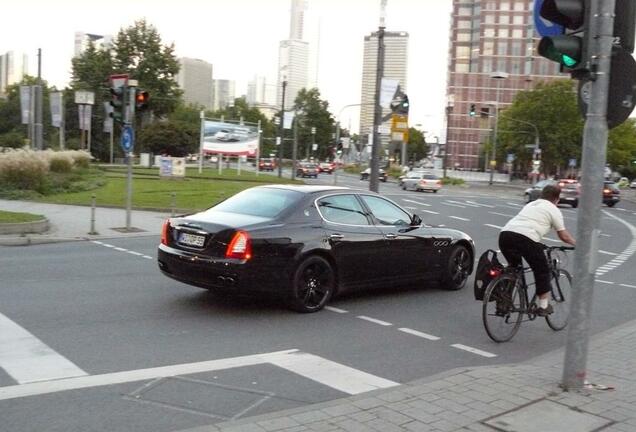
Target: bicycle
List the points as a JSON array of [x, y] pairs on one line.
[[506, 298]]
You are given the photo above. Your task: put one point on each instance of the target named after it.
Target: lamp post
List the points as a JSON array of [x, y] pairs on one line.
[[313, 140], [281, 132], [449, 111], [374, 184], [498, 76]]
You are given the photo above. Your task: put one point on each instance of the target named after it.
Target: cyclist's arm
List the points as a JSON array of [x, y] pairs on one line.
[[566, 237]]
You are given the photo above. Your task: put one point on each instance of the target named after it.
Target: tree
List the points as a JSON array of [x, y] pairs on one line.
[[417, 147], [169, 138], [138, 51], [314, 114]]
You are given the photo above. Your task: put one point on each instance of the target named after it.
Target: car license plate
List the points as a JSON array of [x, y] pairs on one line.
[[191, 239]]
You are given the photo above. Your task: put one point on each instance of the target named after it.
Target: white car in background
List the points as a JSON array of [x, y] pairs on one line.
[[421, 181]]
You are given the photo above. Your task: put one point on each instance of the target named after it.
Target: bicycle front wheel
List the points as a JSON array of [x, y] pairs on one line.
[[561, 288], [503, 308]]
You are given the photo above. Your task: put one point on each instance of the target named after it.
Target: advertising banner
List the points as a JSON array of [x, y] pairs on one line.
[[56, 109], [229, 138], [25, 103], [172, 167], [85, 114]]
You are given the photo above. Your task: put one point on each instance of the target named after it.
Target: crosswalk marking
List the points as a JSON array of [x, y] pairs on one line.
[[27, 359]]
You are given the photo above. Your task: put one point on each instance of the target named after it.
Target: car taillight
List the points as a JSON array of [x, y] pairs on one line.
[[439, 182], [240, 246], [494, 272], [164, 232], [606, 191]]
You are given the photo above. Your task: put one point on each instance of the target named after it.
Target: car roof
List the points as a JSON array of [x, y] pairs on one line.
[[308, 189]]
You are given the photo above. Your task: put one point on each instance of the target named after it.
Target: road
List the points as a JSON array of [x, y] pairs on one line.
[[118, 346]]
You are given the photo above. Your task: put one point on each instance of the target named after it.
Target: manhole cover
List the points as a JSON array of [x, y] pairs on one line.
[[547, 416]]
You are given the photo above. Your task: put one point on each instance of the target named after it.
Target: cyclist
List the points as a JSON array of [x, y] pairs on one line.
[[521, 238]]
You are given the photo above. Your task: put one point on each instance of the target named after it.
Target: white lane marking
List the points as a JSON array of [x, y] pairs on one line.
[[147, 257], [417, 202], [501, 214], [139, 254], [373, 320], [27, 359], [429, 211], [336, 310], [605, 235], [329, 373], [625, 254], [463, 204], [494, 226], [135, 253], [459, 218], [453, 205], [620, 209], [514, 204], [332, 374], [108, 245], [474, 350], [604, 282], [627, 285], [97, 242], [410, 208], [121, 249], [418, 333], [481, 204], [607, 253]]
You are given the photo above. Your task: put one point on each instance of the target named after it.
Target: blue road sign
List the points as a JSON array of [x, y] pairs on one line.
[[127, 139], [543, 26]]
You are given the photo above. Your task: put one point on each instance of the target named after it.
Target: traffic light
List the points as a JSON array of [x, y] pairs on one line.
[[118, 102], [473, 110], [141, 99], [400, 105], [569, 48]]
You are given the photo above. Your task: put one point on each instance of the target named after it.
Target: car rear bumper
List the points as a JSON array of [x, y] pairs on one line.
[[611, 199]]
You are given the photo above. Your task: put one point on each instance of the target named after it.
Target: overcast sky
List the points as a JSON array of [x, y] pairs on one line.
[[241, 37]]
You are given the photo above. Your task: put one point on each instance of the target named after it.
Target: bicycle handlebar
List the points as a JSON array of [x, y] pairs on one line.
[[561, 248]]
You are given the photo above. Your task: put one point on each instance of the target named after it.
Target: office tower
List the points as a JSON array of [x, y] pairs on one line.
[[224, 93], [293, 56], [261, 91], [82, 40], [13, 67], [492, 56], [195, 79], [395, 67]]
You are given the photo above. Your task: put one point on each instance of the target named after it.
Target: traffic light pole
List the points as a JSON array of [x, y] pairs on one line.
[[129, 120], [599, 38], [374, 183]]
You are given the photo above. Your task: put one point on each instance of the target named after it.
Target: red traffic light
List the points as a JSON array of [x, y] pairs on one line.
[[141, 99]]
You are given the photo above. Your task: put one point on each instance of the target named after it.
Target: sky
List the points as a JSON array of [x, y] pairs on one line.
[[241, 38]]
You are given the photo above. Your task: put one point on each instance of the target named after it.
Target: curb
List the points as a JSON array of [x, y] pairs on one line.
[[37, 227]]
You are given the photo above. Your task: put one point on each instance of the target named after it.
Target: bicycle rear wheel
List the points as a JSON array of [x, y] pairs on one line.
[[561, 288], [503, 308]]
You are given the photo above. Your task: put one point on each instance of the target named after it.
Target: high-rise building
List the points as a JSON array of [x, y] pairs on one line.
[[293, 56], [195, 79], [395, 67], [260, 91], [82, 40], [492, 56], [224, 93], [13, 67]]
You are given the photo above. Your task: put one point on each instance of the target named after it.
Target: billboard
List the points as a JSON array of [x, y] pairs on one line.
[[229, 138]]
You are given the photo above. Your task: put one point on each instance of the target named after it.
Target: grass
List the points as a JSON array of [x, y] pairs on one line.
[[194, 192], [12, 217]]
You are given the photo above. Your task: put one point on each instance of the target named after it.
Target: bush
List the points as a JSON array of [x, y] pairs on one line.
[[453, 181], [60, 163], [12, 140], [23, 169]]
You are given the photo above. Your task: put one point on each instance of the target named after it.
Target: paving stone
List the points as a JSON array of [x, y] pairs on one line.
[[394, 396], [362, 416], [310, 416], [339, 410], [353, 426], [394, 417], [383, 426], [444, 425], [368, 403], [277, 423], [416, 426], [243, 428]]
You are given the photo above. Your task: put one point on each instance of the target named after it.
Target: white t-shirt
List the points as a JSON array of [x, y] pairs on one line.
[[536, 219]]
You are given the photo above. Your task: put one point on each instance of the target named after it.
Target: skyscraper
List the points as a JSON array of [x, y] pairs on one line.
[[395, 67], [13, 67], [195, 79], [293, 56], [82, 40], [492, 56], [224, 93]]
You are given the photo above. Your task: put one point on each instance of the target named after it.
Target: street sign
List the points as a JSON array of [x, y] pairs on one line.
[[127, 139], [510, 157], [543, 26], [572, 163], [118, 80], [84, 97]]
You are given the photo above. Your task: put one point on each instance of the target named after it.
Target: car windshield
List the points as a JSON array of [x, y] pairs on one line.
[[308, 165], [263, 202], [429, 177]]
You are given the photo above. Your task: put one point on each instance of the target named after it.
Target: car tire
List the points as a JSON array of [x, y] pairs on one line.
[[403, 187], [611, 204], [434, 190], [575, 204], [527, 198], [457, 270], [313, 285]]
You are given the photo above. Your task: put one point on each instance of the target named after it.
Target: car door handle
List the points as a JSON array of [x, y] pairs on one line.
[[390, 236], [336, 237]]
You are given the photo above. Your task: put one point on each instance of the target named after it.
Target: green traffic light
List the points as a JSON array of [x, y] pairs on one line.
[[568, 61]]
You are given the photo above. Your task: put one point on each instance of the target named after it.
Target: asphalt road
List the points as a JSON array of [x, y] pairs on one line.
[[100, 320]]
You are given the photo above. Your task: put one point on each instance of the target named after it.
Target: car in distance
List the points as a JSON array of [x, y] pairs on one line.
[[632, 185], [611, 193], [307, 169], [305, 244], [422, 182], [382, 175], [266, 165], [570, 191], [326, 167]]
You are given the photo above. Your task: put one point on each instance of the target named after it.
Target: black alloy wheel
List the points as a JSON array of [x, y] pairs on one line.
[[457, 269], [313, 285]]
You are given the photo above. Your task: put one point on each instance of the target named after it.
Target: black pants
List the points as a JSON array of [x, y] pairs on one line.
[[515, 246]]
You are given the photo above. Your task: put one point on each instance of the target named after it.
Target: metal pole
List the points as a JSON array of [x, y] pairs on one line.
[[38, 105], [258, 149], [201, 136], [92, 231], [294, 148], [374, 184], [129, 91], [494, 139], [281, 132], [238, 164], [449, 110], [82, 140], [219, 159], [62, 129], [112, 141], [89, 132], [595, 133]]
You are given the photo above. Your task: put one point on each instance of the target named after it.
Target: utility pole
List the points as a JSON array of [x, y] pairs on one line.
[[374, 184], [281, 132], [38, 105], [599, 38], [129, 116], [449, 111]]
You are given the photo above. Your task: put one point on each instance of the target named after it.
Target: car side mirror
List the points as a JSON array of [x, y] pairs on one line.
[[416, 220]]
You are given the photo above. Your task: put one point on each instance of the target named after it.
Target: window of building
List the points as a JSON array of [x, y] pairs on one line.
[[504, 19], [530, 49], [517, 19], [463, 37], [489, 32], [489, 19], [515, 66], [528, 67], [462, 52], [544, 68], [504, 5], [502, 65], [489, 47], [517, 33], [530, 31], [463, 24], [502, 48], [503, 32], [461, 67], [490, 5], [486, 65], [519, 6], [515, 48], [464, 11]]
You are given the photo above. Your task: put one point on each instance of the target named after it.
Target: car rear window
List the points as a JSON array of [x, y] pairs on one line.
[[430, 177], [263, 202]]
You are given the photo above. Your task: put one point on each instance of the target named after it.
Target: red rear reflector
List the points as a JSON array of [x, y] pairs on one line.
[[606, 191], [240, 246], [439, 182], [164, 232], [494, 272]]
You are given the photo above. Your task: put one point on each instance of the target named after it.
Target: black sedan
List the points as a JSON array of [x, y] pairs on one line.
[[382, 175], [308, 243]]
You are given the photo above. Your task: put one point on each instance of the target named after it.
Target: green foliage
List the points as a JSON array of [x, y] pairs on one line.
[[21, 169], [12, 139], [453, 181], [621, 145], [13, 217], [417, 147], [314, 113], [61, 165], [169, 138]]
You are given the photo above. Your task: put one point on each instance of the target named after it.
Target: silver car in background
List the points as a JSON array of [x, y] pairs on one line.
[[421, 181]]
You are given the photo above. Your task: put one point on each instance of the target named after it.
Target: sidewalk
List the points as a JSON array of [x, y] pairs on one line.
[[520, 398], [69, 222]]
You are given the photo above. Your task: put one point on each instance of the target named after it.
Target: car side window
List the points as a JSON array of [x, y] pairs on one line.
[[342, 209], [386, 212]]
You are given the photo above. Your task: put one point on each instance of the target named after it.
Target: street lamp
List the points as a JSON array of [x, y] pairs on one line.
[[449, 111], [498, 76], [313, 140], [281, 130]]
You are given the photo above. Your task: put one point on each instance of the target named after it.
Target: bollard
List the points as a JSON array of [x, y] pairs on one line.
[[92, 231], [173, 204]]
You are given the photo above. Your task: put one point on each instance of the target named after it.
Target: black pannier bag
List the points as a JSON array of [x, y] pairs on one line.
[[488, 268]]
